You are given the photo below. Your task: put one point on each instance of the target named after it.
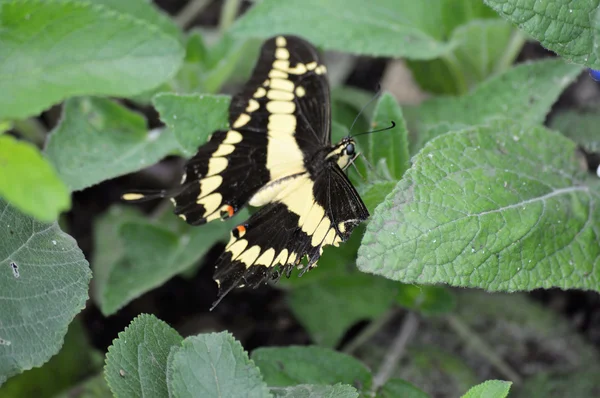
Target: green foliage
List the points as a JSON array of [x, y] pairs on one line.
[[136, 363], [43, 282], [21, 167], [97, 48], [212, 365], [483, 187], [565, 27], [98, 139], [485, 202], [489, 389]]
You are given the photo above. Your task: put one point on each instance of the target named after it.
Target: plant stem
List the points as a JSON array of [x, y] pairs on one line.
[[457, 74], [480, 346], [409, 326], [228, 14], [369, 331], [32, 130], [189, 12], [511, 52]]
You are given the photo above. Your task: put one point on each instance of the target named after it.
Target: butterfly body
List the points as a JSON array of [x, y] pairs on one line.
[[277, 155]]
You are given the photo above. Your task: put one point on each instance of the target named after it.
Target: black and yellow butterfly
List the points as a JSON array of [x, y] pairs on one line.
[[277, 155]]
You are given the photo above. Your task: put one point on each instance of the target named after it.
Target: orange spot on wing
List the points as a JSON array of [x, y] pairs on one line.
[[230, 210], [241, 229]]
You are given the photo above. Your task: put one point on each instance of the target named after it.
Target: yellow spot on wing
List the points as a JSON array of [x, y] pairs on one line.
[[216, 165], [282, 258], [282, 84], [300, 91], [280, 41], [281, 64], [276, 73], [281, 107], [321, 70], [280, 95], [311, 220], [282, 124], [249, 256], [242, 120], [266, 258], [237, 247], [282, 53], [223, 150], [299, 69], [233, 137], [321, 232], [207, 185], [311, 65], [330, 238], [252, 106], [210, 203], [132, 196], [260, 92]]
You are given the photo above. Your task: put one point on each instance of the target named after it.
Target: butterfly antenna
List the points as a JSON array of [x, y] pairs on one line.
[[379, 130], [377, 94]]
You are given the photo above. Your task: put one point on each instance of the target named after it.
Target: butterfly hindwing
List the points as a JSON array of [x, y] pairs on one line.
[[276, 238]]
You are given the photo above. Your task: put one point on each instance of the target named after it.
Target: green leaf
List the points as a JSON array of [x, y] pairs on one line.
[[193, 118], [524, 94], [489, 389], [428, 300], [580, 125], [21, 169], [484, 48], [44, 280], [563, 26], [358, 29], [499, 207], [315, 391], [400, 388], [150, 253], [98, 139], [214, 365], [289, 366], [136, 362], [390, 145], [75, 360], [56, 49]]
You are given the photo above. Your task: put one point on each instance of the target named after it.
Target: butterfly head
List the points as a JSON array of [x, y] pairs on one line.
[[344, 152]]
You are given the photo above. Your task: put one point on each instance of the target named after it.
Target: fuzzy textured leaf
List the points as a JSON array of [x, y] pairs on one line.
[[44, 281], [315, 391], [564, 26], [489, 389], [580, 125], [400, 388], [56, 49], [289, 366], [524, 93], [214, 365], [354, 27], [193, 118], [499, 207], [22, 167], [136, 363], [98, 139]]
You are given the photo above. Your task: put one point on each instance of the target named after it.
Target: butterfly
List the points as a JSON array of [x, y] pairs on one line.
[[278, 156]]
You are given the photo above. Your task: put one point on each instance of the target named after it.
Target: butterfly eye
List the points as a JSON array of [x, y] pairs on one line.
[[350, 149]]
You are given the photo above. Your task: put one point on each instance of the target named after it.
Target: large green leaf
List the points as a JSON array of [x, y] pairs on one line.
[[563, 26], [55, 49], [524, 93], [396, 28], [193, 118], [289, 366], [22, 169], [580, 125], [315, 391], [499, 207], [98, 139], [400, 388], [214, 365], [44, 282], [136, 363]]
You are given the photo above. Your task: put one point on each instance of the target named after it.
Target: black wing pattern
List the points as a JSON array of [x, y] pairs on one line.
[[270, 135], [307, 217]]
